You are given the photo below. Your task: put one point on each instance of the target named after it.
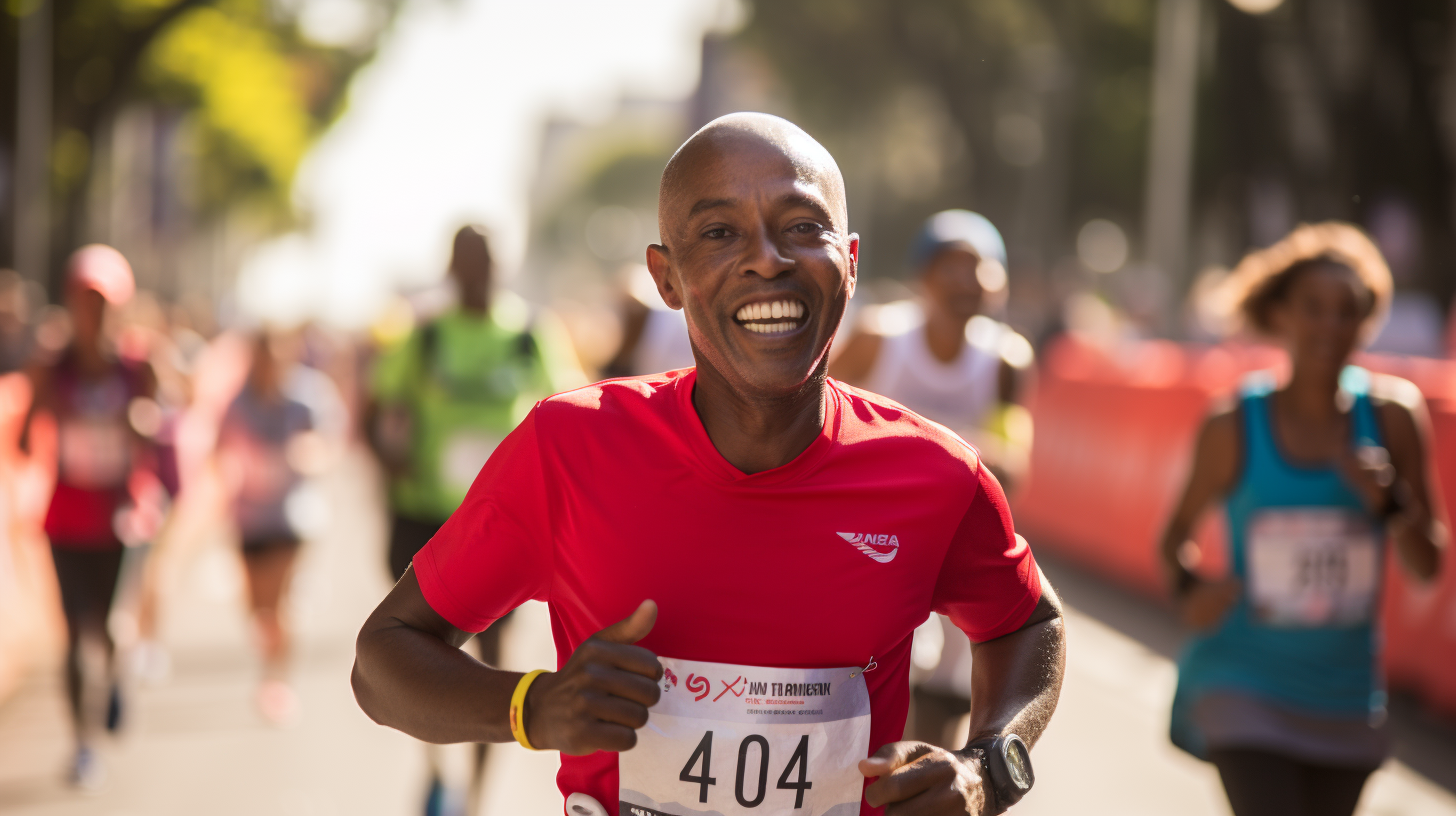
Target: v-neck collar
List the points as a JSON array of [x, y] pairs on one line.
[[721, 470]]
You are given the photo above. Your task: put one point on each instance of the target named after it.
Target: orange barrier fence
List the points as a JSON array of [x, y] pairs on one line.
[[1114, 439]]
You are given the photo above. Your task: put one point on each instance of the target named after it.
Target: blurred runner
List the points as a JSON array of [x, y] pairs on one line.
[[1281, 687], [17, 340], [443, 399], [776, 518], [146, 335], [98, 399], [274, 435], [654, 337], [945, 359]]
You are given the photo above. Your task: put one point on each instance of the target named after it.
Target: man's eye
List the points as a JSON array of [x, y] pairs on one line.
[[716, 232], [806, 228]]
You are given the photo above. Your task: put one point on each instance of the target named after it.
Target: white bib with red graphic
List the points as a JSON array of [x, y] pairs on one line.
[[729, 740]]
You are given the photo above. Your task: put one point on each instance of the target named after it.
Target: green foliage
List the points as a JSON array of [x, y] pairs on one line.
[[249, 91], [250, 114]]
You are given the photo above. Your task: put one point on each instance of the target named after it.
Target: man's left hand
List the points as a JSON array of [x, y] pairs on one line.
[[919, 779]]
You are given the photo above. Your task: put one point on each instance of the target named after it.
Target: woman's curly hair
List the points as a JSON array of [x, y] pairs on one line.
[[1263, 278]]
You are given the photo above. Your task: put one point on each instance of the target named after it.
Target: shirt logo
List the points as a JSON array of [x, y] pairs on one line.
[[881, 548]]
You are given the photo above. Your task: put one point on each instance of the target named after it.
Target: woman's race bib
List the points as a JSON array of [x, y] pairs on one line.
[[726, 740], [1312, 566]]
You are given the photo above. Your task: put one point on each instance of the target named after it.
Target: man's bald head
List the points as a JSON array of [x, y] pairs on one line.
[[745, 138]]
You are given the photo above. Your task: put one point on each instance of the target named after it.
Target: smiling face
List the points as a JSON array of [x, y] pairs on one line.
[[756, 251]]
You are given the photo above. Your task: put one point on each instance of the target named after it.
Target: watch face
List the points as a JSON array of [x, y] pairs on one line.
[[1018, 764]]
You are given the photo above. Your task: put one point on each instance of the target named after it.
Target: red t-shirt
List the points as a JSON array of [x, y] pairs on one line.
[[613, 493]]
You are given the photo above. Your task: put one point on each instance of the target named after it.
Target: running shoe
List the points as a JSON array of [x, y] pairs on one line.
[[277, 702], [441, 800], [87, 773], [437, 798], [151, 664]]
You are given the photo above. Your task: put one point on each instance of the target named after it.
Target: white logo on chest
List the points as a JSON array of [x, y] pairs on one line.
[[881, 547]]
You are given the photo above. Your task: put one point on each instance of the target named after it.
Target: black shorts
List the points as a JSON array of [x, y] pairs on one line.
[[266, 544], [408, 536], [87, 578], [1265, 783]]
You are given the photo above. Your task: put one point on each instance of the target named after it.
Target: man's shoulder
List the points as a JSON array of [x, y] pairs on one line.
[[612, 401], [883, 423]]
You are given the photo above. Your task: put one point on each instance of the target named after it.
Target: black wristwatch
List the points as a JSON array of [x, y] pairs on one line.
[[1006, 762]]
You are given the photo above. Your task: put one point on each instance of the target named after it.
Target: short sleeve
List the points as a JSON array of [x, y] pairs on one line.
[[988, 583], [495, 552]]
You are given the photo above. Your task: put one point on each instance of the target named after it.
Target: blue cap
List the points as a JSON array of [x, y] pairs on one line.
[[957, 227]]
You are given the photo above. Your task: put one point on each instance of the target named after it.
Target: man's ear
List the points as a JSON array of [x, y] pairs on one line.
[[661, 270], [853, 261]]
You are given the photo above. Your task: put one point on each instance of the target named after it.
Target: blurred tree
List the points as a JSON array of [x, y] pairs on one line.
[[1036, 112], [593, 199], [252, 88], [1336, 109], [1033, 112]]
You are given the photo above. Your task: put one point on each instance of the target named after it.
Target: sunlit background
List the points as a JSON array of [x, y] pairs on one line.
[[305, 163]]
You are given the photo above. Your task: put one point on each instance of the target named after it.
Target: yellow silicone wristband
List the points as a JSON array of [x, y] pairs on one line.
[[518, 708]]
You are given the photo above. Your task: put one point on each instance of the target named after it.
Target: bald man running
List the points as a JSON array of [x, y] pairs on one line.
[[737, 552]]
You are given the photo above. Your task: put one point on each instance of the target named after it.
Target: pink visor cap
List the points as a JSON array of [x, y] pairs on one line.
[[100, 267]]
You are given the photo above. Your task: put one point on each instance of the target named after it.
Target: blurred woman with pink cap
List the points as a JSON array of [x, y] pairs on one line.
[[98, 401]]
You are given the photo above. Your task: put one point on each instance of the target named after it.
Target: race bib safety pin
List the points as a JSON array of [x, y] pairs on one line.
[[866, 670]]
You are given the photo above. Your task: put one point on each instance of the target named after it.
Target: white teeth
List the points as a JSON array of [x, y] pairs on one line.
[[768, 328], [768, 311]]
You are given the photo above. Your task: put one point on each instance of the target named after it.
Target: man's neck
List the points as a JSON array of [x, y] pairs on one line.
[[945, 334], [755, 435]]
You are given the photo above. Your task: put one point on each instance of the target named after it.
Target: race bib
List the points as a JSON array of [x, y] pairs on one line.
[[94, 453], [464, 454], [1312, 566], [727, 740]]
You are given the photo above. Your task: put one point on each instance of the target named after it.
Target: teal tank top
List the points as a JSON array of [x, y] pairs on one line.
[[1302, 635]]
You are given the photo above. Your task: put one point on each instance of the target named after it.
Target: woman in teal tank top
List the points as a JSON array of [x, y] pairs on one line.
[[1280, 687]]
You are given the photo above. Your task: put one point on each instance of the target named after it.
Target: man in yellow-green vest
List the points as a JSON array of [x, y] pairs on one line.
[[444, 397]]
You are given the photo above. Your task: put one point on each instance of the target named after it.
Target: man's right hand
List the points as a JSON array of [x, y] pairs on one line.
[[599, 699]]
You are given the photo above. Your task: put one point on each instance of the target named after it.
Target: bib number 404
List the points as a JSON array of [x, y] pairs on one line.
[[798, 766]]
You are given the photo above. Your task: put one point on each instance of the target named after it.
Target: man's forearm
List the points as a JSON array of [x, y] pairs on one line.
[[419, 684], [1016, 680]]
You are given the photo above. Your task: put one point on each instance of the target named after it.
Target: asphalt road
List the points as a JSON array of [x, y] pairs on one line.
[[195, 745]]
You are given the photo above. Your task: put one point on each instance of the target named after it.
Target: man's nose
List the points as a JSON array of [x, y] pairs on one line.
[[764, 257]]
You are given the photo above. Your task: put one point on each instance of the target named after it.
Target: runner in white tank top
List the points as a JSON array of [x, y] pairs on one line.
[[960, 394], [942, 357], [945, 360]]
